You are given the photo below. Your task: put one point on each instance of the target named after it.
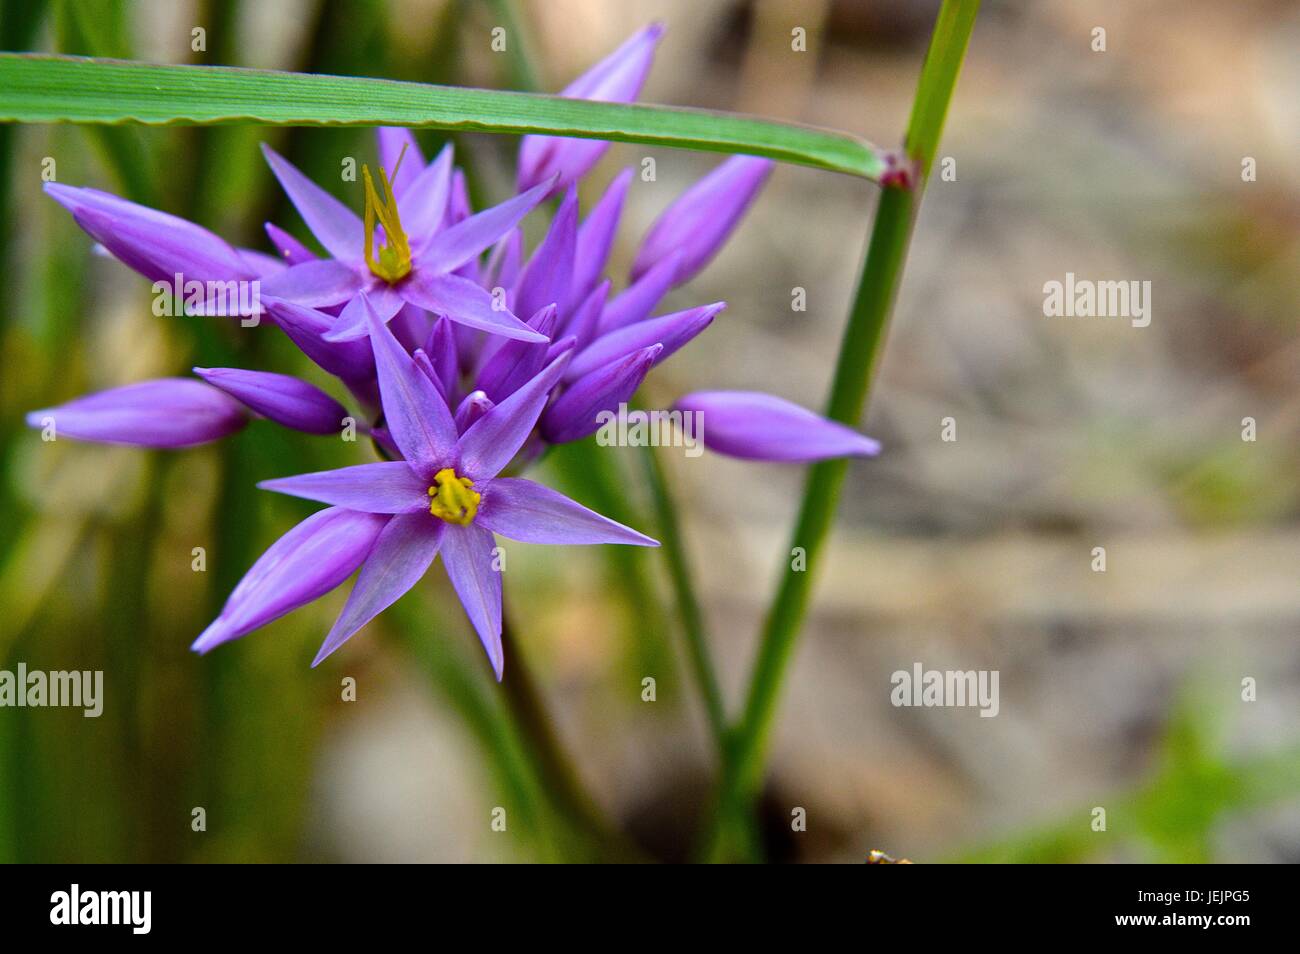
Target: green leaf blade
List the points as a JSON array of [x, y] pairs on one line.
[[41, 88]]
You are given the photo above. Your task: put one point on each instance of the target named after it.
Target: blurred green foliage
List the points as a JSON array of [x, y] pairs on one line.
[[1177, 816]]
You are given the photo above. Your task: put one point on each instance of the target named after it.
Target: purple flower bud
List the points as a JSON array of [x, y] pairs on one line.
[[756, 426], [575, 414], [515, 362], [672, 331], [698, 223], [636, 301], [157, 245], [549, 273], [421, 359], [280, 397], [616, 79], [596, 237], [503, 264], [458, 205], [441, 349], [353, 361], [585, 320], [475, 405], [165, 412]]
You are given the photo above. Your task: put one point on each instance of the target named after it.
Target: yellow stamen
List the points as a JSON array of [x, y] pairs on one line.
[[453, 498], [393, 261]]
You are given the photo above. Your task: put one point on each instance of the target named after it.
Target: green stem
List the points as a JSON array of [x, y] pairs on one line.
[[482, 712], [859, 353], [560, 778], [674, 551], [519, 60]]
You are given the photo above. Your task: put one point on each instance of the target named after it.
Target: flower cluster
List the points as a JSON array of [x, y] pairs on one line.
[[465, 356]]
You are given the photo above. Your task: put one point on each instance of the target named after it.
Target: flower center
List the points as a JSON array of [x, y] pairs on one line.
[[392, 260], [453, 498]]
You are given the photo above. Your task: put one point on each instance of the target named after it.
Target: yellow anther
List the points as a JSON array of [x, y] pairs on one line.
[[453, 498], [392, 262]]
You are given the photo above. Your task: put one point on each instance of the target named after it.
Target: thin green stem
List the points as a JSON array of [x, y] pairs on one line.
[[525, 701], [859, 353], [679, 571], [560, 777], [519, 59], [482, 711]]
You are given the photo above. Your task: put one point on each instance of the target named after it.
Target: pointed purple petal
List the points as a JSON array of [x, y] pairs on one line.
[[458, 206], [279, 397], [561, 346], [441, 348], [495, 438], [157, 245], [400, 557], [503, 263], [335, 226], [261, 264], [351, 360], [464, 303], [391, 140], [304, 564], [166, 412], [585, 320], [531, 513], [698, 223], [575, 414], [352, 322], [637, 301], [515, 362], [290, 249], [549, 273], [616, 79], [672, 331], [596, 237], [467, 555], [385, 487], [756, 426], [414, 412], [317, 284], [464, 241], [424, 205]]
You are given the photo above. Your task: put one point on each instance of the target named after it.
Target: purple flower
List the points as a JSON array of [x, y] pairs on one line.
[[758, 426], [465, 353], [393, 518], [616, 79], [577, 413], [695, 226], [417, 258], [167, 412], [453, 286], [280, 397], [157, 245], [400, 254]]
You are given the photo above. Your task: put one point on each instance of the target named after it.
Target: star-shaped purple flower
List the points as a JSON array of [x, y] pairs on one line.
[[399, 255], [392, 518]]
